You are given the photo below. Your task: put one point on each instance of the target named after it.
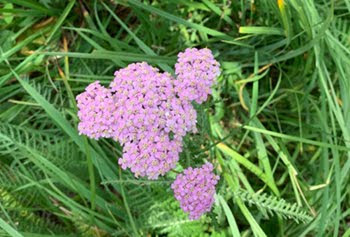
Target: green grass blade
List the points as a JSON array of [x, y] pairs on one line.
[[260, 30], [9, 229], [110, 55], [230, 218], [176, 19], [247, 164], [33, 5], [138, 41], [60, 20]]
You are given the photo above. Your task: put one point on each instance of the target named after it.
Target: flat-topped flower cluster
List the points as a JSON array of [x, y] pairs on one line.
[[195, 189], [149, 113]]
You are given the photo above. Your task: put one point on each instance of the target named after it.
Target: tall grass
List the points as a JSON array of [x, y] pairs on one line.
[[277, 126]]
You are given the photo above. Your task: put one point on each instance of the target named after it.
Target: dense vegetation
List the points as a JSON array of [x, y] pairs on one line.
[[277, 126]]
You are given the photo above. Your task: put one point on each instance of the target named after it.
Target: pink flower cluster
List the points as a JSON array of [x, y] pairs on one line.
[[195, 190], [149, 113], [196, 71], [96, 108]]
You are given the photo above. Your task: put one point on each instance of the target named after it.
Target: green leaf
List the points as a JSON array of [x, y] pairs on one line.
[[247, 164], [9, 229], [176, 19], [124, 56], [8, 17], [230, 218], [31, 4], [260, 30], [61, 20]]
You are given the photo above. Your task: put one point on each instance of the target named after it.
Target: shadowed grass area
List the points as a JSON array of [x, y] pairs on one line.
[[276, 127]]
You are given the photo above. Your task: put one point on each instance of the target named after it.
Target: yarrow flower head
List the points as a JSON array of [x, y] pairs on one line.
[[96, 107], [196, 71], [151, 119], [151, 158], [195, 190], [149, 112]]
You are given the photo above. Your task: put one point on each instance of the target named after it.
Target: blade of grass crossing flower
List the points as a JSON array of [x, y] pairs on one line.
[[230, 218]]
